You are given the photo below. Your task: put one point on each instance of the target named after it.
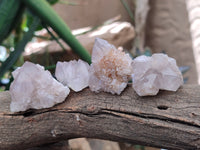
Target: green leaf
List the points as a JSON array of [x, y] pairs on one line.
[[19, 48], [9, 11], [29, 21], [52, 2], [68, 3], [43, 10], [54, 37]]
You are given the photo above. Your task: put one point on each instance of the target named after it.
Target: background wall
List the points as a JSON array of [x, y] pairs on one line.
[[91, 12]]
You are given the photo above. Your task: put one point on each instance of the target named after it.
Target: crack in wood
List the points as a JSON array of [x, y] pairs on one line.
[[153, 116], [98, 111], [125, 118]]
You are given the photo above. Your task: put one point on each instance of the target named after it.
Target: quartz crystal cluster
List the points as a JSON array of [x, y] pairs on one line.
[[33, 87], [110, 69], [74, 74], [153, 73]]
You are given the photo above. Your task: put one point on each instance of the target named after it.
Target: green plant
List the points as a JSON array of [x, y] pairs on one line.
[[44, 11], [12, 18], [19, 48], [10, 14]]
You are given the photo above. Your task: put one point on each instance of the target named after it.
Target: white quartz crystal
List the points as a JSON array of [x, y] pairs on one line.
[[156, 72], [110, 69], [33, 87], [74, 74]]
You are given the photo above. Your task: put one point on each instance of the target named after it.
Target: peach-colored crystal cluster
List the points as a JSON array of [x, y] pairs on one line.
[[110, 71]]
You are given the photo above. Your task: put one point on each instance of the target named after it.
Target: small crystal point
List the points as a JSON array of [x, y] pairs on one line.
[[74, 74], [110, 69], [153, 73], [33, 87]]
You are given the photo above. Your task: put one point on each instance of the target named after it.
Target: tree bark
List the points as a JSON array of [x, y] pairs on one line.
[[169, 120], [194, 18], [62, 145]]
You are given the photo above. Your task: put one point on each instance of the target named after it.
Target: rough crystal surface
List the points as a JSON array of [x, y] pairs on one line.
[[33, 87], [74, 74], [153, 73], [110, 69]]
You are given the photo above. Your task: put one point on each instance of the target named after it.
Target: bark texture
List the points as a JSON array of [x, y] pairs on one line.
[[169, 120], [194, 18]]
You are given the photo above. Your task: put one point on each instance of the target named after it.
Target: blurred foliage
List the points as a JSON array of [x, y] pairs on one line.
[[52, 2], [19, 21], [19, 48]]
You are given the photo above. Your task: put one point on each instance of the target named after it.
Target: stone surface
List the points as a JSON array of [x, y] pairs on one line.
[[110, 68], [74, 74], [79, 144], [117, 33], [153, 73], [97, 144], [33, 87]]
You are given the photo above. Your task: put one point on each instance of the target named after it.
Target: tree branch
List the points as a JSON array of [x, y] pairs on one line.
[[169, 120]]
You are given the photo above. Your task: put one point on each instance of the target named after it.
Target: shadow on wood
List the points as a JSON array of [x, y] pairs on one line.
[[169, 120]]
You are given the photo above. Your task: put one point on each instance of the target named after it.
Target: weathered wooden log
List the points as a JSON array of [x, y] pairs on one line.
[[62, 145], [169, 120]]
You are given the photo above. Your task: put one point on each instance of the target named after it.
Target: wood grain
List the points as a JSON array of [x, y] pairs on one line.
[[169, 120]]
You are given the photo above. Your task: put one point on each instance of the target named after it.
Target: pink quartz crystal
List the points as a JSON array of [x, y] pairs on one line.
[[74, 74], [33, 87], [153, 73]]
